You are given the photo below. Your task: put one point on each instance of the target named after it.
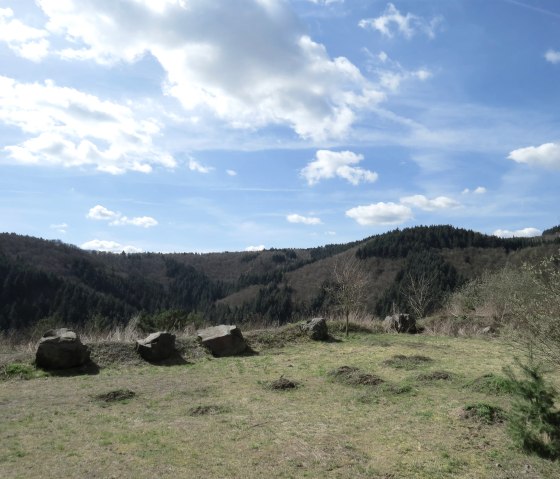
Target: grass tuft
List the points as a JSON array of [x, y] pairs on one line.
[[483, 412], [492, 384], [21, 371]]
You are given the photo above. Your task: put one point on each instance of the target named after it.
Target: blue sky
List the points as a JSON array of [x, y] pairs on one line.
[[189, 125]]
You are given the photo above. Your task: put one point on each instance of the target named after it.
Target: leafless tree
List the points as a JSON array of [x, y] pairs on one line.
[[349, 286], [418, 291]]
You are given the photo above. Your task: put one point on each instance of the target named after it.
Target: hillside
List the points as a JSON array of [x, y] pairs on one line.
[[53, 282]]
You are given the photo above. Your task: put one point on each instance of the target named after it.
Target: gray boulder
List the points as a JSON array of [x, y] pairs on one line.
[[400, 323], [223, 340], [156, 347], [316, 329], [61, 349]]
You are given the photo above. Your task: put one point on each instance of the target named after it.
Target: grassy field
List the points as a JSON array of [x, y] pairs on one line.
[[220, 418]]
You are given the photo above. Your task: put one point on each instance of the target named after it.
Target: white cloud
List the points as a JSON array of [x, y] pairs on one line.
[[393, 21], [60, 228], [109, 247], [141, 221], [330, 164], [99, 212], [115, 218], [231, 172], [420, 201], [281, 75], [479, 190], [72, 129], [390, 72], [307, 220], [255, 248], [198, 167], [27, 42], [552, 56], [380, 214], [546, 155], [522, 233]]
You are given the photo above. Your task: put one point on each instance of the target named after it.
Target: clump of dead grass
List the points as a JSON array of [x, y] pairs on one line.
[[400, 361], [353, 376], [282, 384]]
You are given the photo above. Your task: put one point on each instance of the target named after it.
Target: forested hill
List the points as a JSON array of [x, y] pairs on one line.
[[51, 283]]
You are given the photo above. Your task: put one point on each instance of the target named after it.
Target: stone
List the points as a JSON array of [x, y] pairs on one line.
[[400, 323], [157, 346], [223, 340], [316, 329], [61, 349]]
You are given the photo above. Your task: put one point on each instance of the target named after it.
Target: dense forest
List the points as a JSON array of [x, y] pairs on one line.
[[48, 283]]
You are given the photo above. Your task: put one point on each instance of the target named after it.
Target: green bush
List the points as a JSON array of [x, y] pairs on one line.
[[534, 423]]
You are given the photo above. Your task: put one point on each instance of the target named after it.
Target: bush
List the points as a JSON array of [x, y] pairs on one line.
[[534, 423]]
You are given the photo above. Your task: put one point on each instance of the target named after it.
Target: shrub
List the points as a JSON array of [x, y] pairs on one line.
[[534, 423]]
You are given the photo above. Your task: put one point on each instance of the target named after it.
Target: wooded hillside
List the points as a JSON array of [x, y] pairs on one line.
[[50, 282]]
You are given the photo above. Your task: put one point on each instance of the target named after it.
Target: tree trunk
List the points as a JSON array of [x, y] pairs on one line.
[[347, 315]]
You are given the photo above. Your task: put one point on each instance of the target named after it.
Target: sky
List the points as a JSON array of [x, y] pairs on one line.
[[201, 126]]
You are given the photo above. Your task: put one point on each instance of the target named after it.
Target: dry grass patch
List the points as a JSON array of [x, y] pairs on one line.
[[175, 427]]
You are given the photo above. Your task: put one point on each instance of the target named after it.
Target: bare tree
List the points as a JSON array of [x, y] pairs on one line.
[[418, 292], [349, 286]]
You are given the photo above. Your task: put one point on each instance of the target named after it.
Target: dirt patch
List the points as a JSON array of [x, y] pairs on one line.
[[207, 410], [283, 384], [400, 361], [435, 376], [116, 396], [355, 376]]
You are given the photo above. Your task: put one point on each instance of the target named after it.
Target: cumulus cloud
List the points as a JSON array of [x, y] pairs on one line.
[[392, 21], [255, 248], [380, 214], [231, 172], [552, 56], [420, 201], [522, 233], [546, 155], [330, 164], [281, 75], [307, 220], [71, 128], [479, 190], [199, 167], [109, 247], [27, 42], [115, 218]]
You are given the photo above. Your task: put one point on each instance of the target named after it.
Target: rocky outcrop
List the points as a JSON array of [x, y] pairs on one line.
[[61, 349], [156, 347], [400, 323], [223, 340], [316, 329]]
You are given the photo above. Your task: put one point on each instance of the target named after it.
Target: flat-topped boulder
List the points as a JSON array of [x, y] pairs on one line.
[[157, 346], [400, 323], [316, 329], [223, 340], [61, 349]]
